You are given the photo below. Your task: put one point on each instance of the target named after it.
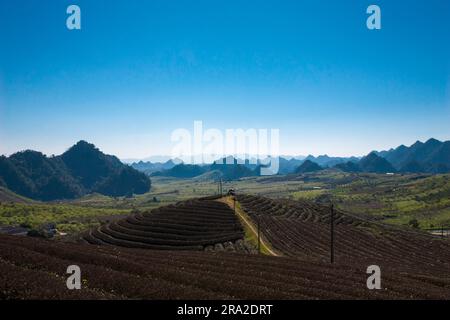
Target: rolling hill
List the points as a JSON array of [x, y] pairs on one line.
[[198, 224], [327, 161], [182, 171], [9, 196], [302, 229], [373, 163], [80, 170], [308, 166], [348, 167]]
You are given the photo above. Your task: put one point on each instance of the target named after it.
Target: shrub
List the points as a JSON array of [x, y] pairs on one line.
[[414, 223]]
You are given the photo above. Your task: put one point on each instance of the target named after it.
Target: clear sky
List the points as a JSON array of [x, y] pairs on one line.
[[140, 69]]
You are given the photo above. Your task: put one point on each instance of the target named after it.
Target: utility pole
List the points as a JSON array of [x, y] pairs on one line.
[[332, 234], [259, 236]]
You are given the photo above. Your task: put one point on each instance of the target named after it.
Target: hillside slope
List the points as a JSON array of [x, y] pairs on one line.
[[188, 225], [9, 196], [302, 229], [432, 156], [80, 170]]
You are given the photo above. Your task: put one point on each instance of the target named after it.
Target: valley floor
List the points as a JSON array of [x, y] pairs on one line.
[[422, 201]]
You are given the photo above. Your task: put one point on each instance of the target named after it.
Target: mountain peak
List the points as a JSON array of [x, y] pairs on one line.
[[374, 163], [417, 144], [84, 145], [308, 166], [432, 141], [27, 153], [373, 155]]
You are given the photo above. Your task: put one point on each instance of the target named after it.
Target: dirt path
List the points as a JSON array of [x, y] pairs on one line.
[[249, 225]]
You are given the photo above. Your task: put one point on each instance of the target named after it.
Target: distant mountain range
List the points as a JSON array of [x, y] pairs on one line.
[[80, 170], [149, 167], [151, 159], [328, 162], [286, 166], [432, 156], [84, 169], [230, 170]]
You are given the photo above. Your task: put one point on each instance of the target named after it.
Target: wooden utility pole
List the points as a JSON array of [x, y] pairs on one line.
[[259, 237], [332, 234]]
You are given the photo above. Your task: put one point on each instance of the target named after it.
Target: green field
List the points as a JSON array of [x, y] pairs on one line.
[[395, 199], [69, 218]]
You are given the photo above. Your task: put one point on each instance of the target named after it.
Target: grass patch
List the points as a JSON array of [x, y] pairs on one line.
[[68, 218]]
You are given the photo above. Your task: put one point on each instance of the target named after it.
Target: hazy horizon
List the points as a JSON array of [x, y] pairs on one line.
[[164, 157]]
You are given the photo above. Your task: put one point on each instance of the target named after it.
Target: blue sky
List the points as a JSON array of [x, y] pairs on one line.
[[137, 71]]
